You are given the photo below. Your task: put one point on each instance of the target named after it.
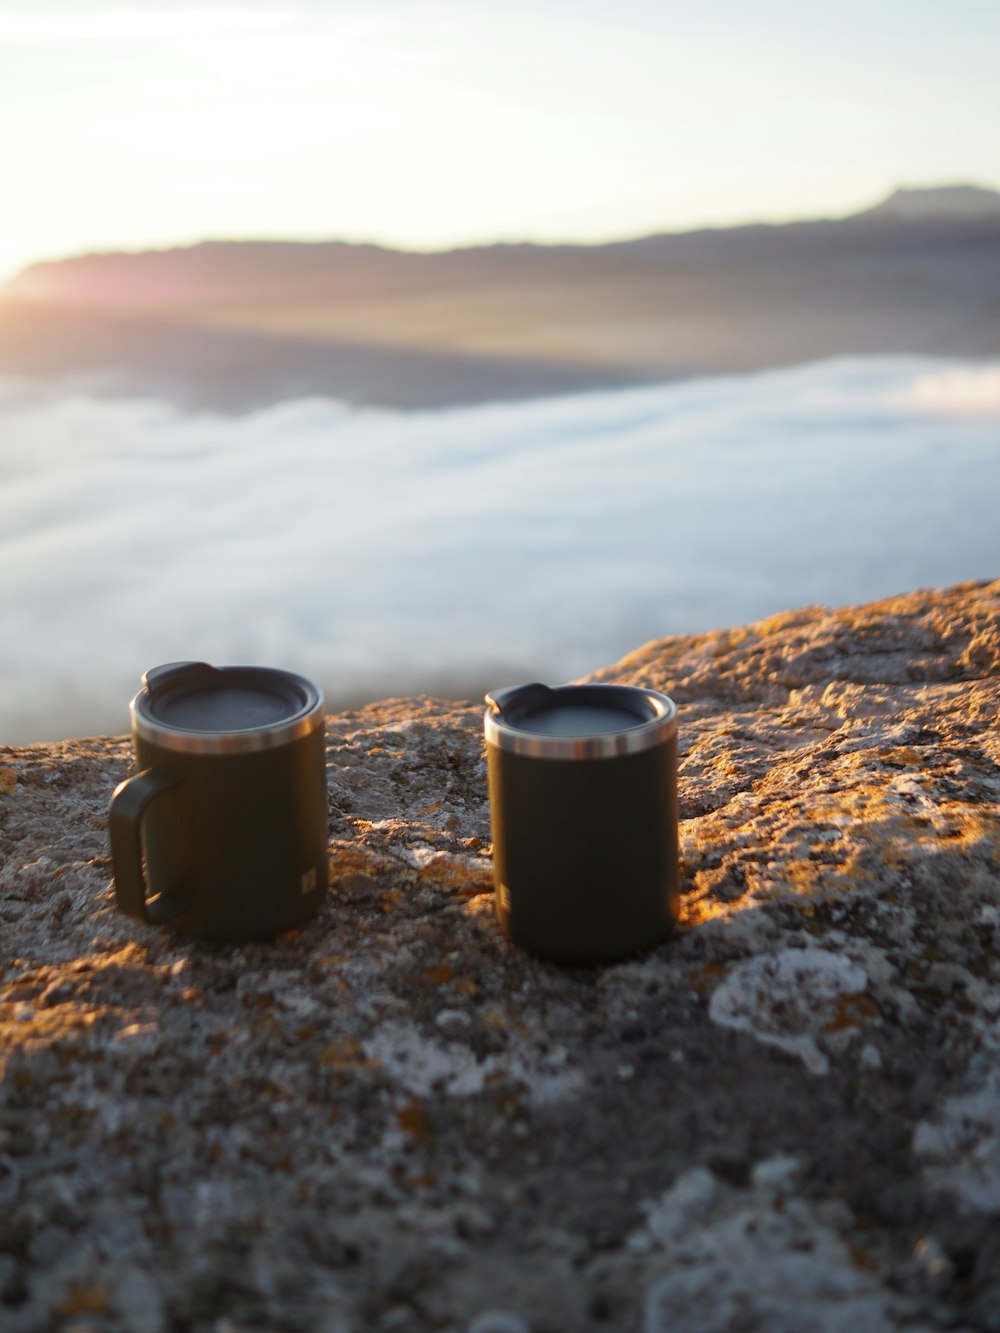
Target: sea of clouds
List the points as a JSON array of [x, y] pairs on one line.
[[386, 552]]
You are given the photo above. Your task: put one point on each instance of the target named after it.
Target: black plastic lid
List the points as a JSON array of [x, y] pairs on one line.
[[196, 708], [577, 721]]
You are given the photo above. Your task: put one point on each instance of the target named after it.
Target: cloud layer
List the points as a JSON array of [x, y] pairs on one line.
[[385, 552]]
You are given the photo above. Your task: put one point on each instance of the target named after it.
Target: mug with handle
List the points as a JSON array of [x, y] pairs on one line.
[[222, 832]]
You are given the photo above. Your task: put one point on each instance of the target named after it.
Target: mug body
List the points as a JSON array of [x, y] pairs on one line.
[[233, 838], [583, 809]]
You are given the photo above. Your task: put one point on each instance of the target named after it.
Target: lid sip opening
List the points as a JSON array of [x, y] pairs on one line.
[[195, 708], [577, 721]]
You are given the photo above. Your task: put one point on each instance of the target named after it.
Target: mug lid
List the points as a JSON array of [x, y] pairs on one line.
[[195, 708], [578, 721]]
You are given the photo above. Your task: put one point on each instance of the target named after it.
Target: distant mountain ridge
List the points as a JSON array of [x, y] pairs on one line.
[[236, 324], [213, 270], [943, 201]]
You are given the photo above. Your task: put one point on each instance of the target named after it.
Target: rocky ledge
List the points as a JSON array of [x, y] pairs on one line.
[[786, 1117]]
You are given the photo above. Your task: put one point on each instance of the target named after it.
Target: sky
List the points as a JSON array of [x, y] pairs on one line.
[[384, 553], [433, 123]]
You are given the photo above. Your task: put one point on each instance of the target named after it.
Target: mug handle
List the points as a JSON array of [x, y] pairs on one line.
[[129, 803]]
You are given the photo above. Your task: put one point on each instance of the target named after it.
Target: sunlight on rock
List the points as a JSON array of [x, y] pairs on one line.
[[785, 1113]]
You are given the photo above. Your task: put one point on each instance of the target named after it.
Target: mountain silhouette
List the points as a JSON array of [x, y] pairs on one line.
[[234, 325], [944, 201]]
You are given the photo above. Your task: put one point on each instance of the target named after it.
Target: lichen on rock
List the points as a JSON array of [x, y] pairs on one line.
[[786, 1115]]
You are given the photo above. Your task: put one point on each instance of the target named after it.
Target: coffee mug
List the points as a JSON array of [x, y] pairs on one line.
[[223, 831], [583, 808]]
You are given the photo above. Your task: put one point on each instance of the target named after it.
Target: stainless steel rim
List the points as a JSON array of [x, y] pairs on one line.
[[311, 717], [501, 734]]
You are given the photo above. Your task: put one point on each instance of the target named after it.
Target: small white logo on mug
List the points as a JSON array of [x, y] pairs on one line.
[[309, 881]]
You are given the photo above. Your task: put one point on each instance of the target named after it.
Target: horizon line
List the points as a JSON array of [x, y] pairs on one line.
[[497, 242]]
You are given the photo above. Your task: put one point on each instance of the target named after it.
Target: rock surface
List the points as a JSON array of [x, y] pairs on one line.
[[785, 1118]]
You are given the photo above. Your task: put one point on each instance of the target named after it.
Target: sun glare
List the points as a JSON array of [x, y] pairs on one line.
[[429, 123]]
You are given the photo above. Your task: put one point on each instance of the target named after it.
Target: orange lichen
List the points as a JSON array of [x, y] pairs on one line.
[[464, 877], [440, 975], [695, 912], [706, 978], [783, 620], [82, 1299], [412, 1121], [353, 858], [18, 1028], [850, 1011], [348, 1053]]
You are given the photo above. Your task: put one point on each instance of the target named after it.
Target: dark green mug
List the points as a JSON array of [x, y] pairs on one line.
[[583, 808], [222, 833]]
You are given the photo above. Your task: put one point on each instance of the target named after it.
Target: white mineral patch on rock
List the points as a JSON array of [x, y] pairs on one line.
[[785, 999], [423, 1066], [683, 1206], [420, 857], [960, 1147], [497, 1321], [758, 1259]]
